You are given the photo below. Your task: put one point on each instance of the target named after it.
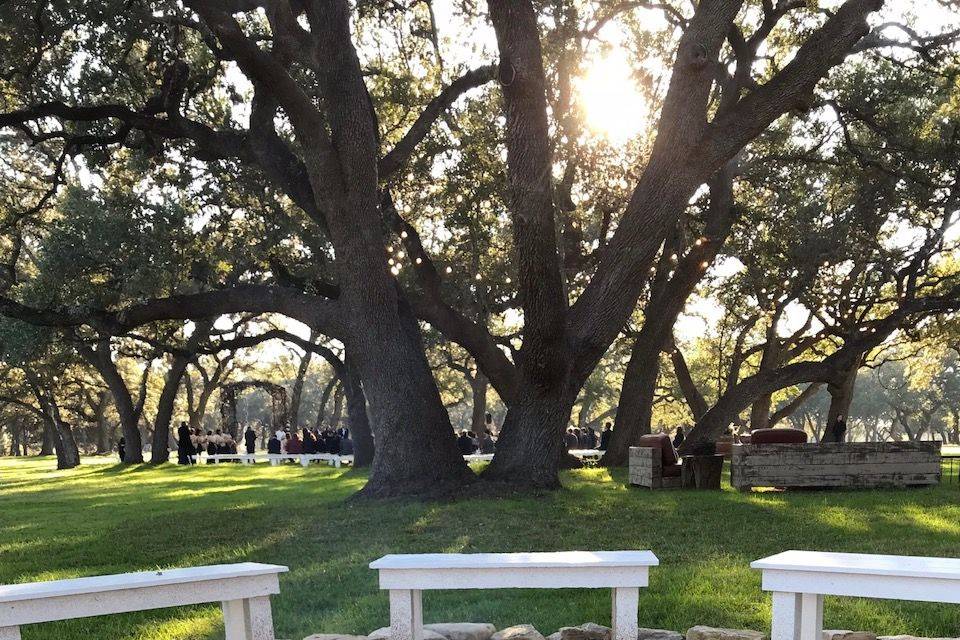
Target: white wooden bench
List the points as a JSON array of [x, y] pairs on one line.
[[406, 576], [800, 579], [243, 590]]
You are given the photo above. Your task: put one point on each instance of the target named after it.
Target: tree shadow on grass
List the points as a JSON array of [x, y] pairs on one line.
[[108, 522]]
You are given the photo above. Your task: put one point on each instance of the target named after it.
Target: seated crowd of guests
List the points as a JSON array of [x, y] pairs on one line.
[[309, 441], [587, 437], [469, 443], [191, 442]]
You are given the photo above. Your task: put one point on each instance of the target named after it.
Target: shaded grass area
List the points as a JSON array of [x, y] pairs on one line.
[[102, 519]]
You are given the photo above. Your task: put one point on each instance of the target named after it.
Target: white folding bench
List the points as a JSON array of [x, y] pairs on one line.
[[406, 576], [800, 579], [243, 590]]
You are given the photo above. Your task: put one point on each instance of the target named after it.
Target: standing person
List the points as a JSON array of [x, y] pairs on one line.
[[487, 443], [591, 438], [840, 430], [211, 447], [465, 444], [185, 450], [605, 436], [570, 440], [488, 424], [346, 443], [678, 438], [250, 439], [122, 447]]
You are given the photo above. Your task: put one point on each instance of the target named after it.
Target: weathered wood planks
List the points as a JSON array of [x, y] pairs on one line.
[[853, 465]]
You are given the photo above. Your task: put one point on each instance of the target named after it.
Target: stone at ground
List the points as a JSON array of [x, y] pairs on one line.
[[383, 633], [334, 636], [586, 631], [718, 633], [658, 634], [518, 632], [905, 637], [843, 634], [462, 630]]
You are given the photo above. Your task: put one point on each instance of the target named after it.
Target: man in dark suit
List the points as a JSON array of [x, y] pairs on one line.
[[250, 439], [185, 450]]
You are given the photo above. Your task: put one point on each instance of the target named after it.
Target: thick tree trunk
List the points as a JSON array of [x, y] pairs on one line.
[[101, 360], [160, 451], [669, 293], [64, 443], [103, 428], [363, 444], [47, 444], [325, 399], [297, 392], [337, 416], [531, 439], [478, 389], [635, 408], [841, 396], [416, 452]]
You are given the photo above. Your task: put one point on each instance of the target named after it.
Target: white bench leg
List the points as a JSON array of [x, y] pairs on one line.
[[336, 462], [406, 614], [274, 462], [624, 614], [250, 619], [9, 633], [786, 616], [304, 461], [811, 616]]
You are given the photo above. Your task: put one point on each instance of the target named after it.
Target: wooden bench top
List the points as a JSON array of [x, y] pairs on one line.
[[553, 559], [125, 581], [862, 564], [550, 570]]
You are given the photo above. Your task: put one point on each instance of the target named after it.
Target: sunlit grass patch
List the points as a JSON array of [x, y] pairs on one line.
[[108, 519]]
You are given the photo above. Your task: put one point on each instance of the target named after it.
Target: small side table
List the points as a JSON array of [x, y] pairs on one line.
[[702, 472]]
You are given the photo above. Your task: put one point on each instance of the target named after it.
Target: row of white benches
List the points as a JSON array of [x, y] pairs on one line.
[[333, 459], [587, 455], [798, 579]]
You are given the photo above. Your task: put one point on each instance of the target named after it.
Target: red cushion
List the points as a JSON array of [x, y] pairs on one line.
[[671, 471], [660, 441], [778, 436]]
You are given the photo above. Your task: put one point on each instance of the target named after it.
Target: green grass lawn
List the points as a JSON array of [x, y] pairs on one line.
[[103, 519]]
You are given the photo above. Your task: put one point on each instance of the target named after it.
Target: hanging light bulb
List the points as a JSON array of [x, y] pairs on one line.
[[400, 254], [390, 261], [509, 280], [403, 234], [704, 264], [476, 277], [418, 261], [449, 270]]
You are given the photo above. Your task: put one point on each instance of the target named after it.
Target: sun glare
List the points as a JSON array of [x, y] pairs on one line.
[[611, 101]]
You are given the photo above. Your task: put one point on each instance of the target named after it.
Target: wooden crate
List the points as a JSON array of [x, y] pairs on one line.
[[859, 465]]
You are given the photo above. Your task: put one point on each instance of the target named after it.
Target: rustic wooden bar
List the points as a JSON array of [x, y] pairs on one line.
[[857, 465]]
